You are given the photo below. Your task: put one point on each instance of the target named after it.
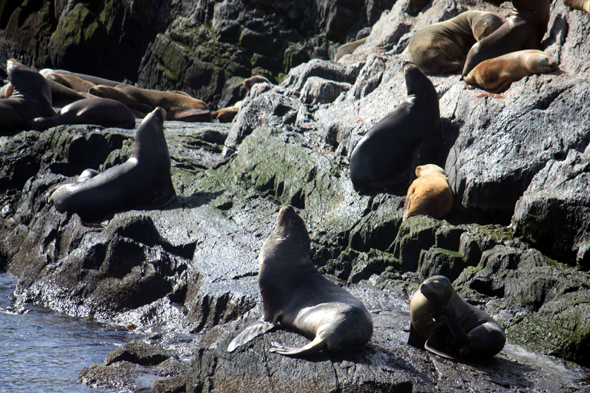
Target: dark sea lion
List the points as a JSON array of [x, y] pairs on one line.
[[178, 106], [143, 181], [62, 95], [429, 194], [582, 5], [248, 83], [497, 74], [524, 29], [347, 49], [441, 47], [298, 297], [31, 98], [391, 149], [444, 324], [99, 111]]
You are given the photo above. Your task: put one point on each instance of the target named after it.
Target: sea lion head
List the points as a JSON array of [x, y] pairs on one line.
[[437, 289], [485, 25], [290, 237], [416, 82], [149, 136], [27, 82], [430, 169], [543, 63]]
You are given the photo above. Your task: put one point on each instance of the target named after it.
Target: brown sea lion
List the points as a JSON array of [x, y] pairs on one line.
[[347, 49], [99, 111], [298, 297], [143, 181], [524, 29], [387, 154], [90, 78], [429, 194], [582, 5], [497, 74], [6, 90], [441, 47], [31, 98], [248, 83], [178, 106], [444, 324], [72, 81], [226, 115]]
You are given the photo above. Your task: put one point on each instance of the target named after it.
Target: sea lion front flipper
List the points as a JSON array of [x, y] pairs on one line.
[[444, 315], [314, 346], [256, 329], [414, 339]]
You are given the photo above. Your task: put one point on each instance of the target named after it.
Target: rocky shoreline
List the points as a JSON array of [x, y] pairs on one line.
[[517, 243]]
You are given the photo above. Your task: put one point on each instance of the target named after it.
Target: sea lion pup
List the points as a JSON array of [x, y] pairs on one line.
[[31, 98], [142, 181], [295, 294], [99, 111], [497, 74], [441, 47], [386, 155], [446, 325], [349, 48], [226, 115], [582, 5], [524, 29], [178, 106], [429, 194], [248, 83]]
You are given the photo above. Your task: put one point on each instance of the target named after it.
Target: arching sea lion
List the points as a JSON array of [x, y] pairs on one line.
[[441, 47], [497, 74], [429, 193], [178, 106], [100, 111], [142, 181], [446, 325], [582, 5], [30, 98], [298, 297], [387, 154], [524, 29]]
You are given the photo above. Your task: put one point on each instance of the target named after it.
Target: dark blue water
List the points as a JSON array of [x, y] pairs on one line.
[[41, 351]]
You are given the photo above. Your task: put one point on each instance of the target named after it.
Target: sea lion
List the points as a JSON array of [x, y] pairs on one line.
[[6, 90], [178, 106], [444, 324], [72, 81], [226, 115], [142, 181], [389, 151], [349, 48], [429, 194], [298, 297], [31, 98], [524, 29], [497, 74], [248, 83], [99, 111], [62, 95], [582, 5], [90, 78], [441, 47]]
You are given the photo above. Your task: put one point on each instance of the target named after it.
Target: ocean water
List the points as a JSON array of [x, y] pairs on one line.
[[41, 351]]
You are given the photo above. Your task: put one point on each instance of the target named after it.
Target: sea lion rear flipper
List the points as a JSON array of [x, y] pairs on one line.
[[414, 339], [314, 346], [439, 352], [256, 329]]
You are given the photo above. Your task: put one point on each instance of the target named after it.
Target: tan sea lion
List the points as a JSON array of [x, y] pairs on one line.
[[226, 115], [143, 181], [6, 90], [90, 78], [429, 194], [497, 74], [248, 83], [298, 297], [178, 106], [582, 5], [99, 111], [388, 153], [444, 324], [524, 29], [441, 47], [347, 49], [72, 81], [31, 98]]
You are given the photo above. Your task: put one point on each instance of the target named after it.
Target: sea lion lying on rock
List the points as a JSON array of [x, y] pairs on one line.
[[298, 297], [444, 324], [429, 194], [497, 74]]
